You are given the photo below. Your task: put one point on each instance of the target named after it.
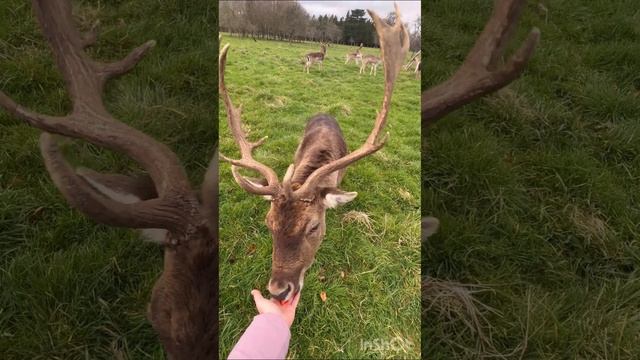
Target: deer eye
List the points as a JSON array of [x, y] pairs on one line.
[[314, 228]]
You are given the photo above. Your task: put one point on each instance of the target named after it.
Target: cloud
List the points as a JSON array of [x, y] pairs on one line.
[[410, 10]]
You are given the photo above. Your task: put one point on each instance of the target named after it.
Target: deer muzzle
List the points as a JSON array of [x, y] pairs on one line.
[[282, 290]]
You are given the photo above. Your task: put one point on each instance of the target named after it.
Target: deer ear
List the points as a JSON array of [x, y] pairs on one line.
[[127, 190], [429, 226], [259, 183], [334, 197]]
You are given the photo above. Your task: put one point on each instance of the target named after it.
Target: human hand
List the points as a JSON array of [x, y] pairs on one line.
[[273, 306]]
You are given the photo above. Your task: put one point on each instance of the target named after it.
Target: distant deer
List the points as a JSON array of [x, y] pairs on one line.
[[371, 61], [355, 56], [315, 57], [296, 218], [483, 70], [184, 303]]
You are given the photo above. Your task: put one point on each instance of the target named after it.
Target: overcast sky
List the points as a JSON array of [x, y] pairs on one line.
[[410, 10]]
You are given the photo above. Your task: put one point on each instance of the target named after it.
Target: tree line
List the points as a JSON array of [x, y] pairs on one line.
[[289, 21]]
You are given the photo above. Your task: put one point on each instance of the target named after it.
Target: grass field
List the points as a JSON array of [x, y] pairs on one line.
[[537, 188], [69, 288], [378, 297]]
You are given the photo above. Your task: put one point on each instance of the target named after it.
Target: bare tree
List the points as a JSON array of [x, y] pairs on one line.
[[295, 21], [415, 36], [334, 33]]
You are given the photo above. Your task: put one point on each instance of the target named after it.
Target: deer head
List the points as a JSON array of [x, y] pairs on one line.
[[482, 72], [296, 218], [183, 307]]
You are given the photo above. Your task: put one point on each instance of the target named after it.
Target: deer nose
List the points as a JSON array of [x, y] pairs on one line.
[[280, 290]]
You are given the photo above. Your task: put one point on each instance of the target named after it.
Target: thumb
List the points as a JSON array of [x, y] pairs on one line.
[[257, 296]]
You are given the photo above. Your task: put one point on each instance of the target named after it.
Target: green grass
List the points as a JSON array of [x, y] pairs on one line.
[[537, 187], [378, 298], [70, 288]]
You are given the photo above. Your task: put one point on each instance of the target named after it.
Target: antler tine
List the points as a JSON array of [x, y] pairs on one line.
[[394, 44], [209, 193], [246, 147], [481, 73], [89, 120]]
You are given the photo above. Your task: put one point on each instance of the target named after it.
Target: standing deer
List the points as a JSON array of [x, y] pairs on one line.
[[355, 56], [296, 218], [315, 57], [184, 303], [372, 61], [482, 71]]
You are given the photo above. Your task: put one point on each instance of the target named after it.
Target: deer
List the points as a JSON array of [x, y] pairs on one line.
[[355, 56], [315, 57], [482, 72], [310, 186], [372, 61], [183, 309]]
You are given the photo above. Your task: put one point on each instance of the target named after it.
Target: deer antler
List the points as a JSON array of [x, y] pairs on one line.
[[183, 308], [89, 120], [394, 44], [406, 66], [246, 147], [481, 72]]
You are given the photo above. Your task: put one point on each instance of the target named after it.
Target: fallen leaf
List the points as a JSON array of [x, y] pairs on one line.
[[321, 278], [323, 296], [341, 274], [251, 249]]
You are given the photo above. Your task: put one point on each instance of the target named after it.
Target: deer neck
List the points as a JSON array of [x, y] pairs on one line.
[[322, 143]]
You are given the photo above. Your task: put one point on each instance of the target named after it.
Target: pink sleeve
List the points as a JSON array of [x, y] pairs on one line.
[[267, 337]]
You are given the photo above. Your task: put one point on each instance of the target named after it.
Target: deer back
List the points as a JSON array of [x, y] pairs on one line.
[[322, 142]]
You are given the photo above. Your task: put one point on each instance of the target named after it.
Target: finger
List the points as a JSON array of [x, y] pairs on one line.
[[257, 296]]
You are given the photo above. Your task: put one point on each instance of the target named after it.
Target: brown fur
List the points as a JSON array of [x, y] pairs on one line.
[[289, 219], [184, 302], [314, 57]]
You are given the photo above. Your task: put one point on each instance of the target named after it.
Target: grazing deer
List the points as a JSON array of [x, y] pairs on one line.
[[372, 61], [296, 218], [482, 71], [184, 303], [315, 57], [355, 56]]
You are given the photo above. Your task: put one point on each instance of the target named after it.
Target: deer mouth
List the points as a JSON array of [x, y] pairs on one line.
[[289, 299], [286, 296]]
